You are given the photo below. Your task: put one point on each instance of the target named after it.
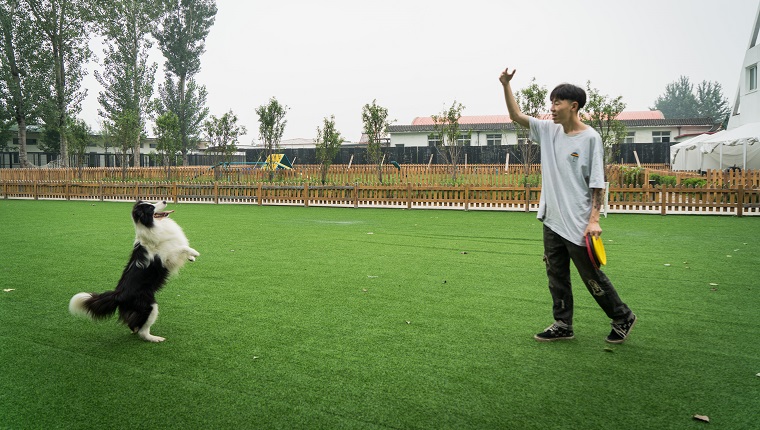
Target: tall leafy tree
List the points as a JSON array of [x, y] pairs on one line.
[[65, 26], [168, 140], [678, 101], [272, 124], [25, 70], [711, 101], [602, 112], [128, 78], [532, 102], [80, 137], [223, 134], [328, 144], [376, 123], [181, 37], [446, 126]]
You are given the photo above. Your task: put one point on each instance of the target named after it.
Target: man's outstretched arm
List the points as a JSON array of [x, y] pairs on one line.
[[514, 110]]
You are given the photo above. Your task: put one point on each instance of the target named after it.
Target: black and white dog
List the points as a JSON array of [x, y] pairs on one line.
[[160, 250]]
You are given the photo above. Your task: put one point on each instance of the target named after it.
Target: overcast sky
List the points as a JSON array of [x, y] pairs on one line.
[[415, 57]]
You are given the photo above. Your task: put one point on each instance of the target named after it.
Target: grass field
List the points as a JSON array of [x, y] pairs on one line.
[[330, 318]]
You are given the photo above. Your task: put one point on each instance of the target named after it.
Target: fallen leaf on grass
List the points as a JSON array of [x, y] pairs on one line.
[[408, 322], [8, 290], [713, 284], [667, 265], [608, 349], [704, 418], [370, 233], [728, 256], [463, 252]]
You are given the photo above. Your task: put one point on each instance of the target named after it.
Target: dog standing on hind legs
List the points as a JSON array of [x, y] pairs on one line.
[[160, 250]]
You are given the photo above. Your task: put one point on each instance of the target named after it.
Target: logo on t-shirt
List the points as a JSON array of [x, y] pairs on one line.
[[574, 156]]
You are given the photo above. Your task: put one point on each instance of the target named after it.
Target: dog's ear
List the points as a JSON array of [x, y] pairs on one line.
[[143, 213]]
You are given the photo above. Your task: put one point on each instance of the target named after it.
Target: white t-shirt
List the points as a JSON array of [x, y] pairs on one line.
[[570, 166]]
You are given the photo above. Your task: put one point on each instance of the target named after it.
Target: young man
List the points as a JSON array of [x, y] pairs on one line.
[[572, 191]]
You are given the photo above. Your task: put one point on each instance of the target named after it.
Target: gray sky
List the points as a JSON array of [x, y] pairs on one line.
[[415, 57]]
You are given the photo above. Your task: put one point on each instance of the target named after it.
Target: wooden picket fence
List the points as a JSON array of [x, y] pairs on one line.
[[736, 200]]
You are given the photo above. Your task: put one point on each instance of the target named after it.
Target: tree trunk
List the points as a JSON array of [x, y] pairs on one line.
[[17, 97], [22, 155], [60, 98], [183, 119]]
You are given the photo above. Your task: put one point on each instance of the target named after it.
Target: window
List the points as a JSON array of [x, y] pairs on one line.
[[493, 139], [463, 139], [630, 137], [752, 78], [660, 136], [434, 140]]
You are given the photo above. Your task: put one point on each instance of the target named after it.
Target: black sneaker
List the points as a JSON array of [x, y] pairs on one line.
[[620, 332], [555, 332]]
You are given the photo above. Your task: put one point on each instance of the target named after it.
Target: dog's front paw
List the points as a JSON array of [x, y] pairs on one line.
[[193, 253], [151, 338]]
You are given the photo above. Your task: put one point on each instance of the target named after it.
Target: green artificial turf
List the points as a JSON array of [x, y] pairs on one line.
[[334, 318]]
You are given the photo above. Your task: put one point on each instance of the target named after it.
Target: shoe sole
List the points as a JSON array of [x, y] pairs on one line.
[[636, 319], [544, 339]]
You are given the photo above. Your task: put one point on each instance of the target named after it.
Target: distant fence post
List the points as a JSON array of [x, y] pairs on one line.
[[408, 195], [216, 192], [466, 194], [306, 194], [740, 201], [356, 195], [258, 196]]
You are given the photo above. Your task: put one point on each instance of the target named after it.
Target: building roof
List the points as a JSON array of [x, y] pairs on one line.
[[502, 122]]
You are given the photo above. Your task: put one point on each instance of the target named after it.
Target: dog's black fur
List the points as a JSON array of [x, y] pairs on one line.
[[160, 249]]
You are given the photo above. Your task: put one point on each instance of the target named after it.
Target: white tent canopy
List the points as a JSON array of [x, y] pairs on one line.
[[685, 155], [738, 147]]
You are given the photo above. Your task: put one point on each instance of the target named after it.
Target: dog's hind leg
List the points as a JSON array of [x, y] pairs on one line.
[[144, 331]]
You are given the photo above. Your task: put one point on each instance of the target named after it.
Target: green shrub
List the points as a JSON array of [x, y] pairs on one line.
[[632, 175], [694, 182]]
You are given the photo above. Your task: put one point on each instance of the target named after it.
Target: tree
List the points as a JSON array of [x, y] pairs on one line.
[[65, 27], [532, 102], [271, 127], [79, 138], [678, 101], [711, 102], [602, 115], [181, 37], [328, 144], [376, 123], [24, 70], [168, 140], [450, 139], [128, 78], [223, 134], [124, 131], [191, 103]]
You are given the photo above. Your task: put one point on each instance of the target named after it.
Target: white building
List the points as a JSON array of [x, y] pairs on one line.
[[488, 130], [747, 103]]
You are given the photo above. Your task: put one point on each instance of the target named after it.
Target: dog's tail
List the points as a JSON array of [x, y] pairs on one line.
[[94, 305]]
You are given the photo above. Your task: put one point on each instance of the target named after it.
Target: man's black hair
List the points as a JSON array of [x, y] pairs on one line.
[[569, 92]]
